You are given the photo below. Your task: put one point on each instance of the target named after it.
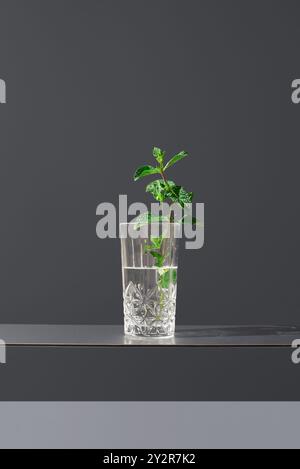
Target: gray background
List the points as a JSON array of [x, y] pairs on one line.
[[92, 86]]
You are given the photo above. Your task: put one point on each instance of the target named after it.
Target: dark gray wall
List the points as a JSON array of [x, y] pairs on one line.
[[92, 85]]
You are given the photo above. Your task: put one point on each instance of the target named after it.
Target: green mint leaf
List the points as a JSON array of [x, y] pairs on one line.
[[157, 242], [159, 189], [143, 171], [159, 155], [156, 152], [175, 158], [173, 193], [159, 258], [185, 197], [166, 277], [155, 246], [180, 195]]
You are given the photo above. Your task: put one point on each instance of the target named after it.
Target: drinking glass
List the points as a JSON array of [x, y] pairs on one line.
[[149, 274]]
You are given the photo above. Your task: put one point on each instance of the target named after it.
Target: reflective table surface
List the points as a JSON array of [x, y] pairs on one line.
[[113, 336]]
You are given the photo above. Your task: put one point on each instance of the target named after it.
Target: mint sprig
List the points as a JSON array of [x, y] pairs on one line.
[[163, 190]]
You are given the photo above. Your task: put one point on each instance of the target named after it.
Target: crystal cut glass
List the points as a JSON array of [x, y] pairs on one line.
[[149, 279]]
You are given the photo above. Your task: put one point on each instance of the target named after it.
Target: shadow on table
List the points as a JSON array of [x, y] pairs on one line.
[[232, 331]]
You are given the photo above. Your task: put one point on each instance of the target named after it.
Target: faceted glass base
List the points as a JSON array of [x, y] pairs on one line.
[[149, 312], [145, 331]]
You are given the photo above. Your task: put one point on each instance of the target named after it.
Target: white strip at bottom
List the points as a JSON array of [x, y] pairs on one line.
[[149, 425]]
